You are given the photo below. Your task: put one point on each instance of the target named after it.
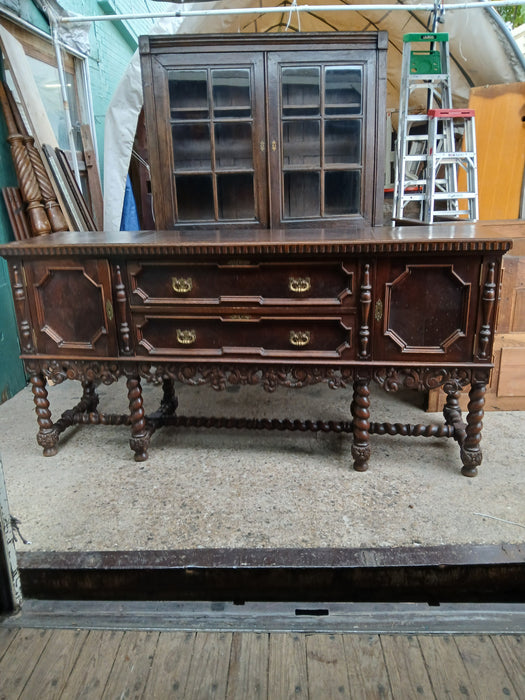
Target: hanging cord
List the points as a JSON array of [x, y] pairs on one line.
[[437, 16], [292, 7]]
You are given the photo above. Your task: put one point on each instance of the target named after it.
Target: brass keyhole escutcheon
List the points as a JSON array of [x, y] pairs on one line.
[[299, 338], [274, 145], [181, 285], [109, 310], [378, 311], [299, 284], [186, 336]]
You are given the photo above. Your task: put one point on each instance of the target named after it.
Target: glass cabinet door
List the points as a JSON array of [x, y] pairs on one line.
[[316, 128], [266, 130], [215, 135]]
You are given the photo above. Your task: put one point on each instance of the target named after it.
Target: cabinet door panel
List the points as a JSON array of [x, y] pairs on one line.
[[71, 307], [266, 131], [425, 309], [318, 107], [211, 169]]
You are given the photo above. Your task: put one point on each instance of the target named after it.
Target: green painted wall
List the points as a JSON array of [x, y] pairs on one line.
[[111, 46], [12, 377]]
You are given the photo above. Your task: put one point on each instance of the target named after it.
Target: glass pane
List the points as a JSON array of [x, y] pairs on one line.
[[191, 146], [342, 141], [301, 91], [235, 196], [188, 94], [194, 197], [342, 192], [343, 89], [233, 145], [48, 84], [301, 143], [301, 195], [231, 93]]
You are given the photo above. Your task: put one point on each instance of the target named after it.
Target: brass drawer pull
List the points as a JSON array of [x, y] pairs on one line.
[[299, 338], [299, 284], [186, 336], [181, 285]]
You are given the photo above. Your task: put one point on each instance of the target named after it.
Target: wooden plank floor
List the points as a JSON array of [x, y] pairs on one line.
[[72, 664]]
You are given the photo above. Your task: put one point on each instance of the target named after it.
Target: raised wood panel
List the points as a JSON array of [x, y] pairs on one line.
[[500, 137], [512, 372], [506, 391], [71, 304], [171, 335], [518, 317], [426, 310]]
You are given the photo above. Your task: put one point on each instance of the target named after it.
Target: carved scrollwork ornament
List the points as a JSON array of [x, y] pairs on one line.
[[423, 379]]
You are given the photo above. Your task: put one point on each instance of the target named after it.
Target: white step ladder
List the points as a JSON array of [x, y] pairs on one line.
[[425, 182], [446, 160]]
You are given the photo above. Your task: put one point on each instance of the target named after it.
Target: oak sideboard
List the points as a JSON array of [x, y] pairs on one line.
[[403, 307]]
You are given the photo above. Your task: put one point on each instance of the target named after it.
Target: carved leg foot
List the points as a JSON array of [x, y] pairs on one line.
[[361, 425], [47, 436], [471, 454], [140, 436]]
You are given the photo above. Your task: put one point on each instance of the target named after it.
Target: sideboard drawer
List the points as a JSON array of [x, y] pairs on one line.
[[153, 284], [169, 335]]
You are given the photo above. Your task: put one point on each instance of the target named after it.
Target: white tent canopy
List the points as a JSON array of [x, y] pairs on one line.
[[482, 52]]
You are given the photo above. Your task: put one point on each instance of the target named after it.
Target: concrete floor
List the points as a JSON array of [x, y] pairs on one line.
[[232, 488]]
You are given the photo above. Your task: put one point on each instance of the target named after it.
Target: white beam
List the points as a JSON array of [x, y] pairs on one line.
[[390, 7]]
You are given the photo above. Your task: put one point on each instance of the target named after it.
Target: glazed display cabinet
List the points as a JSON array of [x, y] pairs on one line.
[[265, 130]]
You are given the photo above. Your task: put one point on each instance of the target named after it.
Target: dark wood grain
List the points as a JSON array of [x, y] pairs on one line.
[[410, 308]]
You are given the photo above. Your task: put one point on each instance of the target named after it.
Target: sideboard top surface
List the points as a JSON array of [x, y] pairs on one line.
[[449, 237]]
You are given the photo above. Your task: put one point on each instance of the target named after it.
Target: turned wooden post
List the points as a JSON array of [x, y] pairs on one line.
[[54, 212], [27, 181], [365, 302]]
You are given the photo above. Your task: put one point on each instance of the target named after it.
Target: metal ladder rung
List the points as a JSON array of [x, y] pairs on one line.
[[428, 77], [414, 183], [452, 156], [456, 213], [445, 196], [429, 52], [416, 197]]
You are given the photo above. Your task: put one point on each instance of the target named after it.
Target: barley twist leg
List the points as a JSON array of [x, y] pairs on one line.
[[471, 455], [47, 436], [140, 436], [361, 425]]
